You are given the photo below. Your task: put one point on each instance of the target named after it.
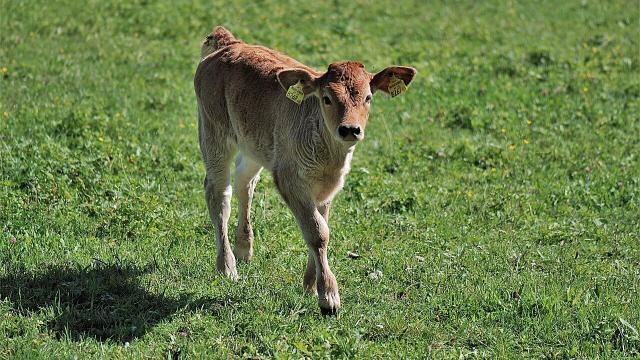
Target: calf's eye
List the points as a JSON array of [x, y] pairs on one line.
[[367, 99], [326, 100]]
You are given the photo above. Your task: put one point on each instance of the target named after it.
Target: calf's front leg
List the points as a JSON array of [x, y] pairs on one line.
[[309, 282], [316, 234]]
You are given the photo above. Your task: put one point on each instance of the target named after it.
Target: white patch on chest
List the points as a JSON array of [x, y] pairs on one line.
[[326, 182]]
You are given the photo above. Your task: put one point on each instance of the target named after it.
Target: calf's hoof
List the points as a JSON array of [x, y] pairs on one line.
[[329, 312], [244, 243], [243, 253], [329, 304], [227, 266]]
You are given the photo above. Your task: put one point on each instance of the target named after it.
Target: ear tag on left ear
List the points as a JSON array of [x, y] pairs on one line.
[[396, 86], [295, 93]]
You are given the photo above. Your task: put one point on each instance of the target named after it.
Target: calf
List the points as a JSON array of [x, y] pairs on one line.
[[267, 110]]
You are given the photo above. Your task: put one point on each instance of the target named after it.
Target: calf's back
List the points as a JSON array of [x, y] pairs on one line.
[[239, 97]]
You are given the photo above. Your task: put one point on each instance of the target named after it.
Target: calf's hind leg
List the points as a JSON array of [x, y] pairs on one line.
[[247, 176], [218, 197]]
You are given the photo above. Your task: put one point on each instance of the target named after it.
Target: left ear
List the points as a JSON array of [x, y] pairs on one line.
[[289, 77], [381, 80]]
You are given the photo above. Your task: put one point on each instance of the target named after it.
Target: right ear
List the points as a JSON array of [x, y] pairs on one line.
[[289, 77], [381, 80]]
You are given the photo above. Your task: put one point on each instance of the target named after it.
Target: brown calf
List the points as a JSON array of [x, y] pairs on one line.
[[244, 113]]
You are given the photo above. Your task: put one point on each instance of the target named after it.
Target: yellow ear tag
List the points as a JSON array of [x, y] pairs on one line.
[[295, 93], [396, 86]]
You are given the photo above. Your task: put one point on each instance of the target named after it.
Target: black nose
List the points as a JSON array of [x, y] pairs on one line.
[[349, 132]]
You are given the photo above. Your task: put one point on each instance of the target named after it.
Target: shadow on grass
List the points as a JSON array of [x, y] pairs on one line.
[[103, 301]]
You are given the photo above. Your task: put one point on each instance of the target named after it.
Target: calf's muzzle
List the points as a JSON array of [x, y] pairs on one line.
[[350, 132]]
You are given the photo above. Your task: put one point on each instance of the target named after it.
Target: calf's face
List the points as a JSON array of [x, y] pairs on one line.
[[345, 92]]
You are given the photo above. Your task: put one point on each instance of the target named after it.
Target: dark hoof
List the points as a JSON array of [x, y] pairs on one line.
[[329, 312]]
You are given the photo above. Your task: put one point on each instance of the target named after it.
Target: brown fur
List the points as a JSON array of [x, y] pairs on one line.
[[219, 37], [243, 111]]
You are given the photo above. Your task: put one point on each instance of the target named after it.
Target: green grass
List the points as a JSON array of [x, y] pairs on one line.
[[499, 197]]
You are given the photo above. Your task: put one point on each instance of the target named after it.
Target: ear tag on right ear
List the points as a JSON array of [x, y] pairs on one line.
[[396, 86], [295, 93]]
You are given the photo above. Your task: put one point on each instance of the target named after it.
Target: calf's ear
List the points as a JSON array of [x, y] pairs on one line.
[[381, 80], [289, 77]]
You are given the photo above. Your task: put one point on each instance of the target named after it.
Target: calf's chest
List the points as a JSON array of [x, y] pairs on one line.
[[325, 182]]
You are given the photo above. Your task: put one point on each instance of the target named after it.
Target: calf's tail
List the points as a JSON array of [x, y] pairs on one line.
[[219, 38]]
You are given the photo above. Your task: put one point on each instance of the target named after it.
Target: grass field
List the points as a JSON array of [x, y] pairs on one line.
[[499, 198]]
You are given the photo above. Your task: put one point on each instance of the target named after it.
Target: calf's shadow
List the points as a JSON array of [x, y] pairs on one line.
[[103, 301]]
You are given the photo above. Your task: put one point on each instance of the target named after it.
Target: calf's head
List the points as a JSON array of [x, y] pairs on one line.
[[345, 91]]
